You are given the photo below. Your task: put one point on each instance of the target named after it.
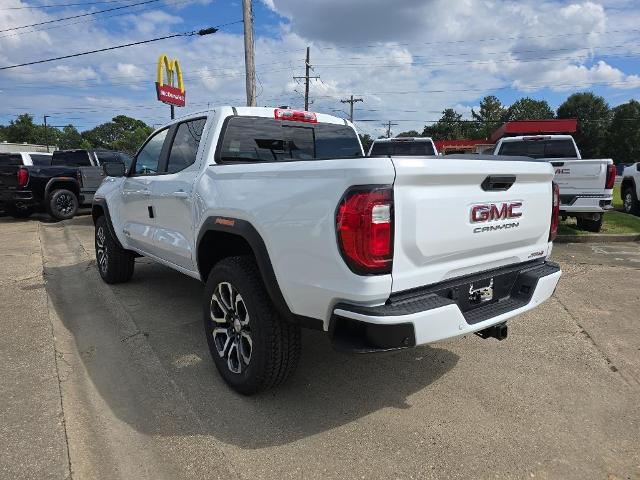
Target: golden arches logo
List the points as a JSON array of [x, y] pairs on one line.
[[171, 66], [170, 92]]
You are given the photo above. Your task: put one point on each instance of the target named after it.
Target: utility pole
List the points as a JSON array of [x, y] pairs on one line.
[[307, 67], [249, 60], [389, 125], [46, 132], [351, 101]]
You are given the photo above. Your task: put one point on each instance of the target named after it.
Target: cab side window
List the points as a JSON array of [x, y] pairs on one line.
[[147, 161], [185, 145]]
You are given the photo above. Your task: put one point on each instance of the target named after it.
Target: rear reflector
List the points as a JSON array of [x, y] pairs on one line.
[[364, 225], [611, 176], [23, 177], [555, 211], [295, 115]]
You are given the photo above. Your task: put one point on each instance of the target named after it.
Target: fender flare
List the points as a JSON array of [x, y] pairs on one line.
[[53, 180], [102, 203], [247, 231]]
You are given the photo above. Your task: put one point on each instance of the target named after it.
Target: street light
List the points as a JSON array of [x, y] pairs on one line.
[[46, 133]]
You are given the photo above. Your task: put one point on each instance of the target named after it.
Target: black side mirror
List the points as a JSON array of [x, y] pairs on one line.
[[114, 169], [638, 166]]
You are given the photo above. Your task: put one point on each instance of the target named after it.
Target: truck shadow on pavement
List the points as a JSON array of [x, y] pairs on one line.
[[144, 354]]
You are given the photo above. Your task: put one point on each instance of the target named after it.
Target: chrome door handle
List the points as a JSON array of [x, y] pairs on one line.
[[180, 194]]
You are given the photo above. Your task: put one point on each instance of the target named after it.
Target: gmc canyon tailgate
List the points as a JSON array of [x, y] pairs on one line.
[[456, 217]]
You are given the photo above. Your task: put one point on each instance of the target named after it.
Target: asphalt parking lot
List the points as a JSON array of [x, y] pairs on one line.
[[116, 382]]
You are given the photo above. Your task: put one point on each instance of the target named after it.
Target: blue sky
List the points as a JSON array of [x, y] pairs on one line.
[[407, 59]]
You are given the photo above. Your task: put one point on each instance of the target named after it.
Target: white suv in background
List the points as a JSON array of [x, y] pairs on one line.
[[630, 189]]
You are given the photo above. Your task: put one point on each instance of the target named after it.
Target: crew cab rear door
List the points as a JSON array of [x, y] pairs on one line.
[[455, 217]]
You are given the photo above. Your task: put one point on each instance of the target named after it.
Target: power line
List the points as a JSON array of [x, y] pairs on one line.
[[78, 16], [307, 67], [351, 101], [59, 5], [53, 27], [388, 125], [205, 31]]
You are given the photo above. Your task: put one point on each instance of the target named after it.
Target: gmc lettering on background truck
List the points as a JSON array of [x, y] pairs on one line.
[[586, 186], [288, 225]]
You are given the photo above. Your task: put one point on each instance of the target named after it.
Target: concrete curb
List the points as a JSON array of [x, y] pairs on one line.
[[598, 238]]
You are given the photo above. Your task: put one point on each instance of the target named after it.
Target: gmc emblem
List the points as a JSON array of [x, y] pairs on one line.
[[491, 212]]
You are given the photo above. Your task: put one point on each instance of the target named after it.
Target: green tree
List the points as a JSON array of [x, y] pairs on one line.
[[451, 126], [130, 141], [119, 128], [528, 109], [366, 141], [489, 116], [409, 133], [594, 115], [22, 129], [623, 136], [69, 137]]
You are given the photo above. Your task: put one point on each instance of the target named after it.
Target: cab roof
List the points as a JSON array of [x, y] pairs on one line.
[[265, 112], [403, 139]]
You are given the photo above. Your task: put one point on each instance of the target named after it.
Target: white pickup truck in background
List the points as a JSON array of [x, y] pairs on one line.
[[586, 186], [287, 223]]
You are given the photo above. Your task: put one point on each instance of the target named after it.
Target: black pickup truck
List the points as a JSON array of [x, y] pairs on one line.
[[59, 189]]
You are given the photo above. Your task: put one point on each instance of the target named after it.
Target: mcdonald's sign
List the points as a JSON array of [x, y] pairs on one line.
[[169, 92]]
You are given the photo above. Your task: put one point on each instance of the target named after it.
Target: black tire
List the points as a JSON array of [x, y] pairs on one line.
[[62, 204], [115, 264], [630, 201], [590, 225], [273, 345], [19, 213]]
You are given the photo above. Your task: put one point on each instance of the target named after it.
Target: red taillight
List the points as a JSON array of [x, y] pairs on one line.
[[611, 176], [23, 177], [555, 212], [295, 115], [364, 223]]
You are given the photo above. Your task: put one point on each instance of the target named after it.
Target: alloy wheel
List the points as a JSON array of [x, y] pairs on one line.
[[64, 203], [628, 202], [231, 329], [101, 250]]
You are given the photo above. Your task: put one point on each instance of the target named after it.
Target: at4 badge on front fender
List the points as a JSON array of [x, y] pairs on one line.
[[495, 212]]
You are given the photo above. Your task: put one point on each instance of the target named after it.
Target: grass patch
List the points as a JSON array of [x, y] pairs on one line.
[[617, 200], [614, 223]]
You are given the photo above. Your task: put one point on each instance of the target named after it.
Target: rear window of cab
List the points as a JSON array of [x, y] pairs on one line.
[[259, 139]]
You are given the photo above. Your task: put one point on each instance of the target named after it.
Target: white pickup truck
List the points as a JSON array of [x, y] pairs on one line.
[[288, 225], [403, 147], [630, 189], [586, 186]]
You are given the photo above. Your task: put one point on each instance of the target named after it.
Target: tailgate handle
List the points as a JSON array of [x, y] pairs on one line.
[[557, 164], [498, 183]]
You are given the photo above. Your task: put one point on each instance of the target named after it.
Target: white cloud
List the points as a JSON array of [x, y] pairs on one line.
[[129, 71]]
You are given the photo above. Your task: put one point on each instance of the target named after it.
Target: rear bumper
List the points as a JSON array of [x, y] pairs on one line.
[[596, 203], [18, 198], [443, 311]]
